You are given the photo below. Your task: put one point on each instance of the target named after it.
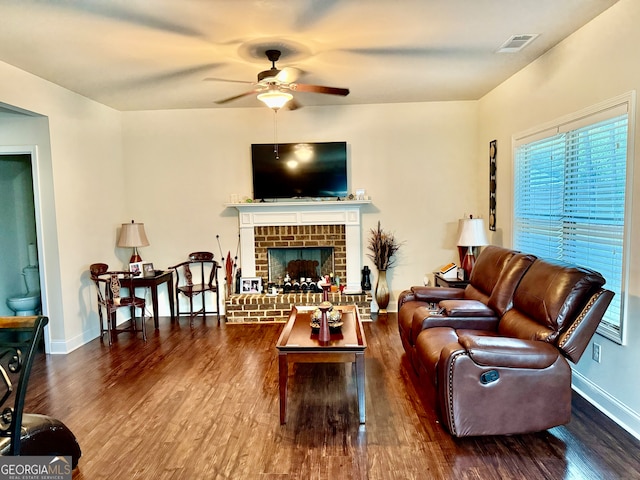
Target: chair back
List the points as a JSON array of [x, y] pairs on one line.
[[200, 264], [112, 282], [19, 340], [201, 256]]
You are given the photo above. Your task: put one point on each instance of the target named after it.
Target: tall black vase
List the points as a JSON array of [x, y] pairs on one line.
[[365, 283]]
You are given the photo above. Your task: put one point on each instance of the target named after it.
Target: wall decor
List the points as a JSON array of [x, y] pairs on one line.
[[493, 151]]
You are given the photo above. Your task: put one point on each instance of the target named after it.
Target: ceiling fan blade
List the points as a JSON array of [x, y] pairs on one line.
[[157, 78], [301, 87], [288, 75], [116, 11], [173, 75], [215, 79], [236, 97]]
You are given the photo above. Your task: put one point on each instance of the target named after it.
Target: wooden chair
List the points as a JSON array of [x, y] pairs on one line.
[[205, 269], [108, 286], [27, 433]]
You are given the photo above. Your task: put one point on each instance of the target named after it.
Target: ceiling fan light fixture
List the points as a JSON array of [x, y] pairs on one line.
[[275, 99]]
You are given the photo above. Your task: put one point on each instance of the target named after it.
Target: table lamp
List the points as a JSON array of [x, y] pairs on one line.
[[132, 235], [472, 234]]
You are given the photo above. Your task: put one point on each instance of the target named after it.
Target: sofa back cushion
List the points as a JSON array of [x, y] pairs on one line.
[[502, 296], [549, 297], [486, 272]]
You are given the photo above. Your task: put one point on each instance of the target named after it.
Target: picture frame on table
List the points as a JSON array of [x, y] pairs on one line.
[[148, 270], [136, 268], [250, 285]]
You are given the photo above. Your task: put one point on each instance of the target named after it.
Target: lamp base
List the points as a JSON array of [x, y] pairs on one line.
[[468, 263], [135, 258]]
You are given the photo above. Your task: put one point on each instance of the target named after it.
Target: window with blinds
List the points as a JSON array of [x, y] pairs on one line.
[[569, 198]]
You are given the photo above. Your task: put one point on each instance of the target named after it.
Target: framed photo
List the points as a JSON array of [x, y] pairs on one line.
[[136, 267], [148, 270], [251, 285]]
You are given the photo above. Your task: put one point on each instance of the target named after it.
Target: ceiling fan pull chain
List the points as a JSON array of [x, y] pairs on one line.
[[275, 134]]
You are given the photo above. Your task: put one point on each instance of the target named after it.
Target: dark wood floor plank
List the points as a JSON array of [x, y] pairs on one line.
[[202, 402]]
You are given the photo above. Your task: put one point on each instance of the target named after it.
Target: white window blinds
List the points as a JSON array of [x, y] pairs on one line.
[[569, 197]]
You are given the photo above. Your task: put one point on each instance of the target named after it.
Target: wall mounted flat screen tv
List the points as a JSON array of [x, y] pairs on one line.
[[299, 170]]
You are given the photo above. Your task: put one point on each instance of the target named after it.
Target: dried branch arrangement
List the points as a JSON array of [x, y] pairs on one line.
[[383, 247]]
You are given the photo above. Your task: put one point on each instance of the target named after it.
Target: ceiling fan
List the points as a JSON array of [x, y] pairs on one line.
[[274, 86]]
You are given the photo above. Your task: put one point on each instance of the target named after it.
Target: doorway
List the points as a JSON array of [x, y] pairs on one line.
[[18, 236]]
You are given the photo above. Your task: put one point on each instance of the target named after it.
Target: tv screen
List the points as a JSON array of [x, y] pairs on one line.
[[299, 170]]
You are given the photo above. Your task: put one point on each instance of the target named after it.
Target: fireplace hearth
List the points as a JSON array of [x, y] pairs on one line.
[[300, 225]]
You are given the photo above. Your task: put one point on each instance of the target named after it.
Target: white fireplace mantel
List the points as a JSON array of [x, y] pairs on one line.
[[347, 213]]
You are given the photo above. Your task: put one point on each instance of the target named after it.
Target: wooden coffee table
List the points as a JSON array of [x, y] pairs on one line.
[[299, 343]]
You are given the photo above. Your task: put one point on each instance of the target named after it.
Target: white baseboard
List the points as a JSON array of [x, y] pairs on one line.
[[610, 406]]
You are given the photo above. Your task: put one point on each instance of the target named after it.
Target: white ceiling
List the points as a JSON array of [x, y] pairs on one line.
[[155, 54]]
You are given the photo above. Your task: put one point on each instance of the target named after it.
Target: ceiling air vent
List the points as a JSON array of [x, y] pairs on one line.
[[517, 43]]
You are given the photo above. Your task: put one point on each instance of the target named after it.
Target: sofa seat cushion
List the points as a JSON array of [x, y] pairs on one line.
[[465, 308]]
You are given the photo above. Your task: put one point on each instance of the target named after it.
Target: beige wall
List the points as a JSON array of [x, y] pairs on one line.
[[593, 65], [78, 149], [414, 160]]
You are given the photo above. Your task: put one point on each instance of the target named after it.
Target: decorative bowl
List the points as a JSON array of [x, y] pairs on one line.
[[334, 318]]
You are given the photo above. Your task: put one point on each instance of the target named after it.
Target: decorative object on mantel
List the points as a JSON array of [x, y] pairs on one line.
[[493, 152], [472, 234], [383, 247]]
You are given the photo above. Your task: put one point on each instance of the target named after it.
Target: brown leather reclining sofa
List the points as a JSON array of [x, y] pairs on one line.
[[493, 357]]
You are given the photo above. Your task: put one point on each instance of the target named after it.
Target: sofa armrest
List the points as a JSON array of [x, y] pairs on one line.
[[404, 297], [435, 294], [489, 324], [493, 351], [465, 308], [424, 318]]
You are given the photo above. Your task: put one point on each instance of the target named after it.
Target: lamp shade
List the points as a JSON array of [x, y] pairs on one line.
[[472, 233], [275, 99], [133, 235]]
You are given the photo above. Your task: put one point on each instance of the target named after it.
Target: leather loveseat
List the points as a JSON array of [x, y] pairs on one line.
[[494, 356]]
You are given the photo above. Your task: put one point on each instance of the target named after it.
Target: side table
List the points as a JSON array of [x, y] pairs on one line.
[[441, 281], [152, 283]]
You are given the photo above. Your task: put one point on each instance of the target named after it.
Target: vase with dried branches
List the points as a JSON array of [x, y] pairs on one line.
[[383, 247]]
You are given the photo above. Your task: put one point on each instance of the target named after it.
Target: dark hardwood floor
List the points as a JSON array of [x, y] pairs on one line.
[[202, 403]]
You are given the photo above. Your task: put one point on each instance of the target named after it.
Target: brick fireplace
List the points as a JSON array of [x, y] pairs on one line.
[[298, 224], [303, 236]]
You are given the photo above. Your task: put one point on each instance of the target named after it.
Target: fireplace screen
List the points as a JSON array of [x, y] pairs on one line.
[[307, 262]]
